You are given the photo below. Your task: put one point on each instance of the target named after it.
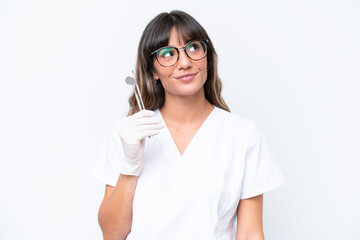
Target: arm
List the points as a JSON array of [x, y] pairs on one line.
[[115, 213], [125, 146], [249, 219]]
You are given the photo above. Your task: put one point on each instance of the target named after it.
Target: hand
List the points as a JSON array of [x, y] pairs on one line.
[[132, 132]]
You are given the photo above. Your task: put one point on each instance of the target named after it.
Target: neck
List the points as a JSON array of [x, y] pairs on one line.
[[185, 109]]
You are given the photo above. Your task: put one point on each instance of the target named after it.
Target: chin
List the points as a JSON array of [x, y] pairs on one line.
[[189, 92]]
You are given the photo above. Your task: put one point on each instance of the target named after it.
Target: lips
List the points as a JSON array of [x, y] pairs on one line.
[[186, 77]]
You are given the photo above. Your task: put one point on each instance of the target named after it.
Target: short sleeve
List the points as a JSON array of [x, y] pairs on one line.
[[262, 173], [108, 163]]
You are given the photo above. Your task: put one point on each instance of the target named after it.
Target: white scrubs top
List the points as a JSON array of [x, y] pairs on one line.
[[195, 195]]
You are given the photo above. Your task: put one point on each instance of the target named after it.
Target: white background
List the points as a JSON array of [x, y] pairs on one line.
[[292, 66]]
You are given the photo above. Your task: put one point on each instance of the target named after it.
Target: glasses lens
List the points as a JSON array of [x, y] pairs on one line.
[[196, 50], [167, 56]]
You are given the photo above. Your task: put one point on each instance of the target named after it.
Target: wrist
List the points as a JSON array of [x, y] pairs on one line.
[[131, 166]]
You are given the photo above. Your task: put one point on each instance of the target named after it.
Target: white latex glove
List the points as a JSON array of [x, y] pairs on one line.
[[132, 132]]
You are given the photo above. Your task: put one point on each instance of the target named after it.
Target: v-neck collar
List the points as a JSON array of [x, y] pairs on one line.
[[172, 143]]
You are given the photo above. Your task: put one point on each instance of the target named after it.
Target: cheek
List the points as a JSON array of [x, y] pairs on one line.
[[203, 65], [161, 72], [204, 69]]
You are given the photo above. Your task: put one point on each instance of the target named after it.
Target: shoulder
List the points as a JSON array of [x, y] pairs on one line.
[[242, 128], [235, 121]]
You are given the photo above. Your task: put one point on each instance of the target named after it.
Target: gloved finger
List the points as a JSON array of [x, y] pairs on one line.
[[147, 120], [147, 133], [146, 127], [143, 113]]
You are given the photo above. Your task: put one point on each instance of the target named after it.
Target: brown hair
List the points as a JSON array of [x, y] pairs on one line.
[[155, 36]]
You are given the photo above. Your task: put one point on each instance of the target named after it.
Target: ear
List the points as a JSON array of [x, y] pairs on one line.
[[156, 76]]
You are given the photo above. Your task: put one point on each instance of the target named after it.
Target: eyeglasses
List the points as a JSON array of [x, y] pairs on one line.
[[168, 56]]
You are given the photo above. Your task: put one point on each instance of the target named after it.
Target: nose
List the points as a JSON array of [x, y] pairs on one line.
[[184, 61]]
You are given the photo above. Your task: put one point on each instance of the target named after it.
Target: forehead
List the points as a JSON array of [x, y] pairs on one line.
[[176, 39]]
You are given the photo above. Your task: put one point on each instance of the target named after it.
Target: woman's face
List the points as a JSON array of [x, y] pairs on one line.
[[186, 77]]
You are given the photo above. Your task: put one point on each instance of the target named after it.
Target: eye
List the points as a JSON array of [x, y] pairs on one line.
[[193, 46], [166, 52]]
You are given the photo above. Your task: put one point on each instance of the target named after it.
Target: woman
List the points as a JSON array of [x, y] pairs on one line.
[[203, 167]]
